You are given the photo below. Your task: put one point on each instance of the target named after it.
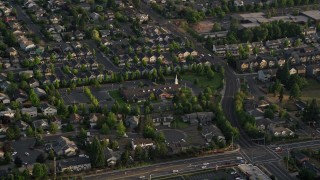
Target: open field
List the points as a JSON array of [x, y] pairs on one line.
[[203, 26], [115, 94], [311, 91], [203, 82]]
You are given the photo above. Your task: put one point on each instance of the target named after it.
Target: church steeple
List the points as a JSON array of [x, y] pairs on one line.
[[176, 80]]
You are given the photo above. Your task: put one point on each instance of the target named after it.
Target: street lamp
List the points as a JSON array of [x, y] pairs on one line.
[[288, 155]]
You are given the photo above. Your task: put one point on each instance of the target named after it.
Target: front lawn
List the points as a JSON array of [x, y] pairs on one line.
[[115, 94], [203, 82]]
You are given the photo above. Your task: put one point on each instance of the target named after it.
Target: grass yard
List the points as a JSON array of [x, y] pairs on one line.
[[115, 94], [312, 91], [178, 124], [203, 82]]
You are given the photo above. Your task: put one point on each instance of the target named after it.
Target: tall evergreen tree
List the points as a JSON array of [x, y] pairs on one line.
[[97, 153], [311, 113]]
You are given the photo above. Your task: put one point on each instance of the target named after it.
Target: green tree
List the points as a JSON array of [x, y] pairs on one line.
[[18, 161], [97, 153], [306, 174], [268, 113], [34, 98], [10, 133], [41, 158], [311, 112], [53, 128], [83, 134], [51, 154], [104, 129], [39, 171], [29, 131], [297, 43], [124, 158], [95, 35], [138, 153], [216, 27], [7, 157], [121, 129], [295, 91], [281, 94]]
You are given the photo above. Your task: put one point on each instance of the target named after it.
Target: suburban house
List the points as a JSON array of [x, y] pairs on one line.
[[76, 118], [132, 121], [266, 74], [162, 119], [313, 70], [220, 50], [111, 156], [300, 158], [41, 123], [142, 142], [32, 111], [9, 113], [202, 118], [62, 146], [48, 109], [22, 125], [33, 83], [301, 70], [26, 45], [93, 118], [263, 124], [75, 164], [292, 71], [257, 113], [281, 131], [212, 131], [4, 99], [301, 105]]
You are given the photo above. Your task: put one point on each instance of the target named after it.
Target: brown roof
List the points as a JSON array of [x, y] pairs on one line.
[[139, 141]]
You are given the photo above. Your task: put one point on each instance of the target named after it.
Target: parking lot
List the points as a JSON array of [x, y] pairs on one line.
[[212, 175], [75, 96], [23, 146], [174, 135]]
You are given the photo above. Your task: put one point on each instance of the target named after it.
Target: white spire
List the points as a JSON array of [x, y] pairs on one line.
[[176, 80]]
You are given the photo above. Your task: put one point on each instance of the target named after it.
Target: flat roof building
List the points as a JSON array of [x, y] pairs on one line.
[[312, 14], [250, 20], [253, 172]]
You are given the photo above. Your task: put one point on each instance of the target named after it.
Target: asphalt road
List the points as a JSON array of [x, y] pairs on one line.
[[101, 58], [33, 28], [166, 168]]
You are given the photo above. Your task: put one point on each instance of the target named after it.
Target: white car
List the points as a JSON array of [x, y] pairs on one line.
[[175, 171], [14, 153], [233, 172], [205, 163], [26, 153], [209, 55], [141, 177], [204, 167], [239, 158]]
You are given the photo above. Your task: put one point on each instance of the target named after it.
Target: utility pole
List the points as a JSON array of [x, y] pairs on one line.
[[252, 156], [54, 168], [232, 143]]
